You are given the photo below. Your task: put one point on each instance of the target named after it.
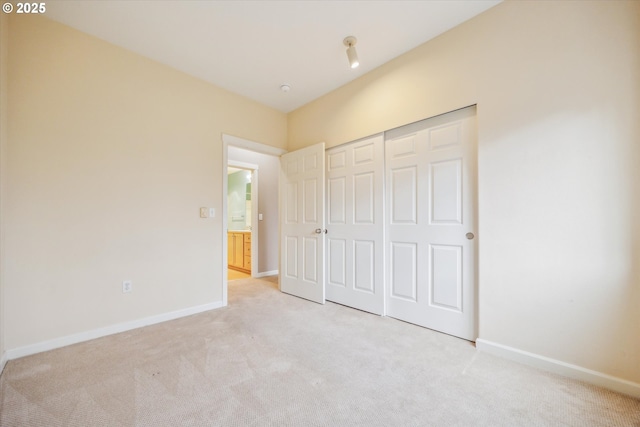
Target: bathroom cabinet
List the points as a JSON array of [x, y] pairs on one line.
[[239, 250]]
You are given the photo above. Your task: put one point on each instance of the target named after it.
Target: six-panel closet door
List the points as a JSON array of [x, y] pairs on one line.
[[431, 223], [355, 225], [401, 223]]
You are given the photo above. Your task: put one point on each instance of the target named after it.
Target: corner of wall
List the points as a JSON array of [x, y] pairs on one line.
[[4, 35]]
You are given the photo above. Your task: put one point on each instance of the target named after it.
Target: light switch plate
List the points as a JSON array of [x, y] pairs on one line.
[[203, 212], [212, 212], [259, 217]]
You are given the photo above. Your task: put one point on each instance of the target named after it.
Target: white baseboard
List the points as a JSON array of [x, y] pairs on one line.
[[558, 367], [108, 330], [266, 273]]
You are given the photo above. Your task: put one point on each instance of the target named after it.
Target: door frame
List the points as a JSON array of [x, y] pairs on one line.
[[234, 141]]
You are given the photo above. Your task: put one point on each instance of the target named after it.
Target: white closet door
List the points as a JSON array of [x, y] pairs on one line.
[[431, 223], [302, 223], [355, 195]]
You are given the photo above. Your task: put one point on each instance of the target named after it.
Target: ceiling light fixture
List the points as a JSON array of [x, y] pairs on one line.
[[285, 88], [350, 42]]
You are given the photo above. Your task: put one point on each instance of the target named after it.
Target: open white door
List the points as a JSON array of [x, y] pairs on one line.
[[302, 228]]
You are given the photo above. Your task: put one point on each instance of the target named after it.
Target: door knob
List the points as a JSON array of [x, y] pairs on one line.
[[318, 230], [470, 236]]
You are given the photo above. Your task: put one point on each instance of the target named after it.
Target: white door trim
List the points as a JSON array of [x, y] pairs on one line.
[[251, 145]]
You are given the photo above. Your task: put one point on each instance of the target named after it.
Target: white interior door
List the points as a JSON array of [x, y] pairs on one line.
[[302, 228], [431, 173], [355, 192]]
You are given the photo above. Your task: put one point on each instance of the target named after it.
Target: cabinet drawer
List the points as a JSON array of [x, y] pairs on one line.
[[247, 237], [247, 262], [247, 249]]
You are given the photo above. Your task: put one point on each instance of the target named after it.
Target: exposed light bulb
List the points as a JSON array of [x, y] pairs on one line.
[[352, 55]]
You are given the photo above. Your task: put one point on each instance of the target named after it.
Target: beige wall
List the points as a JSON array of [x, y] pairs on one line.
[[110, 156], [4, 50], [557, 86]]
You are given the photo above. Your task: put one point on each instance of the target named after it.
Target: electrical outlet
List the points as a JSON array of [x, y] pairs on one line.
[[204, 212], [127, 286]]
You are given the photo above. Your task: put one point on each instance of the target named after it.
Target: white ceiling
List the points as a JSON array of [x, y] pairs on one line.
[[253, 47]]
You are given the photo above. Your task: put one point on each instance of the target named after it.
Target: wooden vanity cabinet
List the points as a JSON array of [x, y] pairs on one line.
[[239, 251]]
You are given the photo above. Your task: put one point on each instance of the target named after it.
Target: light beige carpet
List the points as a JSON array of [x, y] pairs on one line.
[[269, 359]]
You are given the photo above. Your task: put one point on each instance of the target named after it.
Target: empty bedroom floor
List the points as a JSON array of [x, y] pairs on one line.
[[272, 359]]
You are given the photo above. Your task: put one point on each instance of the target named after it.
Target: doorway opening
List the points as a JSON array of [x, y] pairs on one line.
[[242, 193], [250, 219]]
